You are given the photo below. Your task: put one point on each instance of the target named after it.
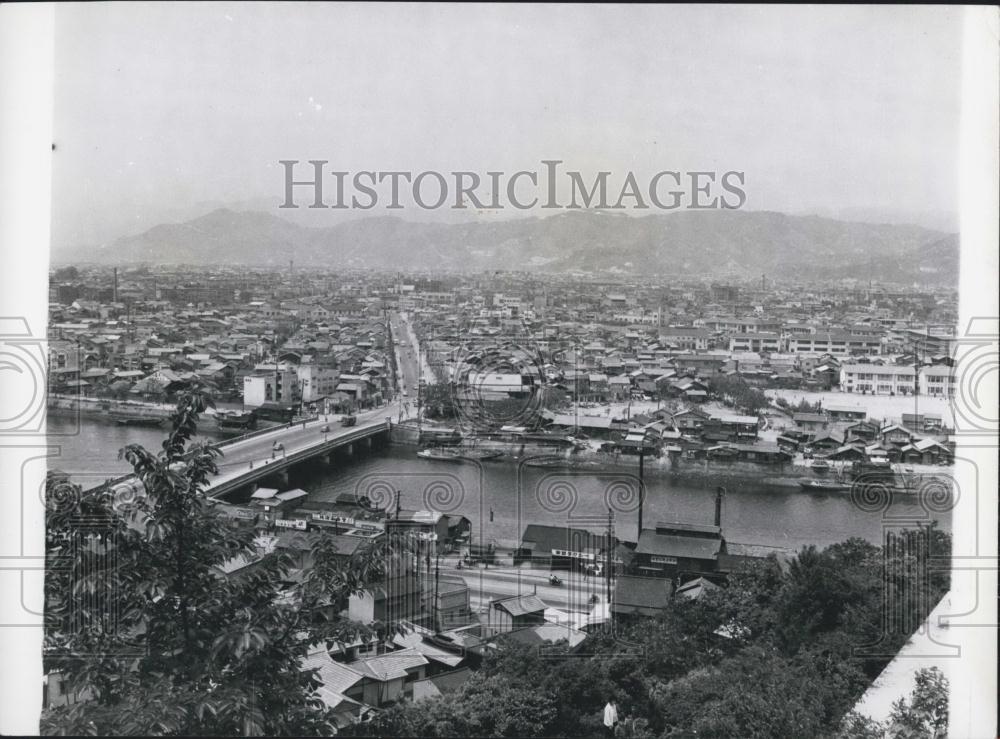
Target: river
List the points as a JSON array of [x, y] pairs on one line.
[[515, 495]]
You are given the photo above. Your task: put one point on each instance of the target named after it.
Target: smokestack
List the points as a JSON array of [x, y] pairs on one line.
[[114, 298], [719, 492]]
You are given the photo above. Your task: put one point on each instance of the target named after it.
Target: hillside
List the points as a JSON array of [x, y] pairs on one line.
[[715, 243]]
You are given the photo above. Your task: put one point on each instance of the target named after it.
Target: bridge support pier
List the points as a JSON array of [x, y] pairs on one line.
[[368, 442], [349, 450]]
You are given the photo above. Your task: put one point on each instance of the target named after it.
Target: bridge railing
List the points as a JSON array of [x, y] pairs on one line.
[[353, 435], [221, 487], [260, 432]]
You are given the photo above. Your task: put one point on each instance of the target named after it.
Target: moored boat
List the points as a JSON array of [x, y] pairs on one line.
[[138, 420], [826, 486], [478, 455], [235, 422], [440, 455], [546, 462]]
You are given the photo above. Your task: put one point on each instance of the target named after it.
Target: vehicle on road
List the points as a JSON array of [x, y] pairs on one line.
[[349, 420], [325, 430], [553, 580]]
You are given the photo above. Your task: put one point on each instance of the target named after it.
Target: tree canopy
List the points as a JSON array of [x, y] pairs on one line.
[[141, 620], [777, 652]]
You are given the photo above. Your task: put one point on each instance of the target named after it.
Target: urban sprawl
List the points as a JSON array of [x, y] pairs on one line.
[[818, 387]]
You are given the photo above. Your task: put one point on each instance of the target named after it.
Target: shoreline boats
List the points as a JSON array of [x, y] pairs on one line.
[[235, 422], [546, 462], [824, 486], [123, 420], [457, 454]]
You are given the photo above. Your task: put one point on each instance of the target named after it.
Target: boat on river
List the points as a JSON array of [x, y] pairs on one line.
[[824, 486], [235, 422], [129, 420], [458, 454], [546, 462], [479, 455], [440, 455]]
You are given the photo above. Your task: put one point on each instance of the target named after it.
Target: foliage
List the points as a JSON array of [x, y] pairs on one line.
[[923, 716], [771, 654], [804, 406], [735, 390], [486, 706], [140, 618], [926, 713], [438, 401], [67, 273]]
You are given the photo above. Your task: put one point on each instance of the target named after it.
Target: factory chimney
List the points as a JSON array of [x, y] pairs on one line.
[[114, 298]]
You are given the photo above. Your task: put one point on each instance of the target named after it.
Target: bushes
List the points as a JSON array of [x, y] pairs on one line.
[[735, 390], [772, 654]]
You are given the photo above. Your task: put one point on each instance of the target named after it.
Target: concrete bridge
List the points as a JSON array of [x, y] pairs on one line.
[[272, 453], [258, 459]]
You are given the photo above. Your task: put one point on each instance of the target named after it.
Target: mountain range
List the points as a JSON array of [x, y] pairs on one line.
[[712, 243]]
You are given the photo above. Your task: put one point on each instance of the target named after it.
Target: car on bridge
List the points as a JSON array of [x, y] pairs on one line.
[[349, 420]]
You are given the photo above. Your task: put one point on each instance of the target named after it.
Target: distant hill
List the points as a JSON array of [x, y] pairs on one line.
[[714, 243]]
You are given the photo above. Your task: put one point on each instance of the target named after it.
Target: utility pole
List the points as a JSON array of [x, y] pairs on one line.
[[609, 561], [576, 391], [642, 490], [437, 602]]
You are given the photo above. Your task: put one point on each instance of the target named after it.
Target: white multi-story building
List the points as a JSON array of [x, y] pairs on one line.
[[762, 342], [685, 337], [316, 382], [878, 379], [938, 380], [280, 386], [837, 344]]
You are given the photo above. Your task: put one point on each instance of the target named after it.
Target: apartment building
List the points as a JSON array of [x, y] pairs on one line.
[[316, 381], [278, 386]]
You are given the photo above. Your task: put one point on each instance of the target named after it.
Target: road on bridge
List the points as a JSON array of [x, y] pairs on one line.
[[253, 453]]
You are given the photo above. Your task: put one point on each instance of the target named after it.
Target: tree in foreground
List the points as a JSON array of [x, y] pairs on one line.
[[140, 622], [774, 653], [923, 716]]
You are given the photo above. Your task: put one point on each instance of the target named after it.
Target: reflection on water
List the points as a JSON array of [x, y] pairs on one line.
[[501, 498]]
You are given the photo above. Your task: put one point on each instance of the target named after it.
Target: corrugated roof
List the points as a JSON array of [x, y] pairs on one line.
[[669, 545], [547, 634], [520, 605], [642, 592], [546, 538], [389, 666], [415, 641], [334, 676]]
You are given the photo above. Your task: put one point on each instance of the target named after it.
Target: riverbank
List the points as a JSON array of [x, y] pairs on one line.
[[790, 475]]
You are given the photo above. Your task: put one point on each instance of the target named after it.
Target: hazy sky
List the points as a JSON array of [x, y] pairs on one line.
[[161, 109]]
